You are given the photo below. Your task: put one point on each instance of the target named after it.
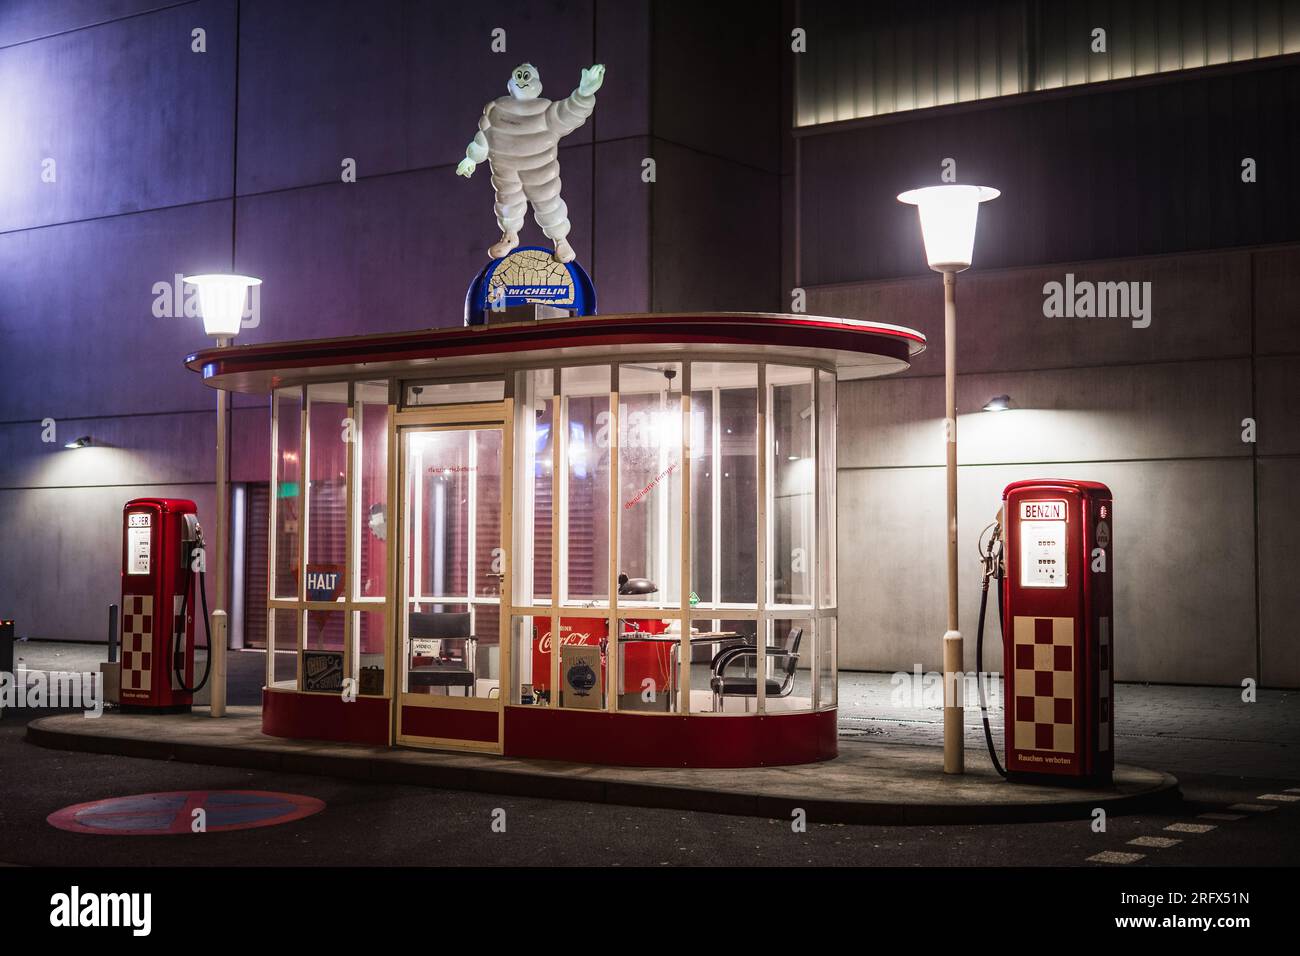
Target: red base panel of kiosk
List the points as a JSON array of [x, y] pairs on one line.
[[365, 720], [474, 726], [669, 740], [546, 733]]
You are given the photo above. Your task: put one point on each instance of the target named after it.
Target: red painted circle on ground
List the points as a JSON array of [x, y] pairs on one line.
[[157, 814]]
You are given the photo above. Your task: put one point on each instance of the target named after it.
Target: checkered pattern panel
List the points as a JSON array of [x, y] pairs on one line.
[[137, 641], [1043, 689], [1103, 684]]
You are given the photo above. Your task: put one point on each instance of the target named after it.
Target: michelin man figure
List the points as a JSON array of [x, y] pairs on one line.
[[519, 136]]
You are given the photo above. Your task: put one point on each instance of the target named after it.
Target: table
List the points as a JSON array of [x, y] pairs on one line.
[[675, 639]]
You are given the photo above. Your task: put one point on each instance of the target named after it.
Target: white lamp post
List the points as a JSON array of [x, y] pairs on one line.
[[221, 302], [948, 215]]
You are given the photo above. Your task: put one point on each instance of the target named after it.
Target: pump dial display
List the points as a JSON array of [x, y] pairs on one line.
[[138, 542], [1042, 550]]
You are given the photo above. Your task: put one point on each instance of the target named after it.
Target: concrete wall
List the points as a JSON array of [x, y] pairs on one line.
[[1204, 522], [161, 153], [1135, 180]]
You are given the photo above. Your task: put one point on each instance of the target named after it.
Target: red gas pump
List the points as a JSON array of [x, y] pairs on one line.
[[159, 538], [1055, 601]]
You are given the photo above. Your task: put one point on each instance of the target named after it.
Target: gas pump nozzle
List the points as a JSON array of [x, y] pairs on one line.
[[991, 554], [192, 540], [991, 560]]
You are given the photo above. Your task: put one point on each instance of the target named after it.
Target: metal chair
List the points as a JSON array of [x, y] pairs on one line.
[[746, 686], [447, 670]]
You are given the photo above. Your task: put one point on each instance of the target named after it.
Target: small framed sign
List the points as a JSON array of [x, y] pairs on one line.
[[322, 670], [324, 582], [1039, 510], [580, 671]]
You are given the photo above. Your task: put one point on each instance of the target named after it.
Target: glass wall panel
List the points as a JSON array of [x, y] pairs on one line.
[[530, 660], [585, 449], [826, 478], [648, 664], [322, 656], [791, 472], [327, 507], [288, 475], [827, 683], [368, 626], [324, 631], [790, 665], [703, 485], [583, 661], [371, 482], [454, 393], [711, 642], [488, 556], [441, 650], [454, 560], [282, 647], [724, 482], [533, 486], [650, 483], [487, 655], [438, 478]]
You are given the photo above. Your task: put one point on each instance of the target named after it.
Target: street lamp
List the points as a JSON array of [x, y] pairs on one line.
[[948, 215], [221, 302]]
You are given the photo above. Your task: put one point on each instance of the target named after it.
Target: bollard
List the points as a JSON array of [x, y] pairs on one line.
[[112, 633], [7, 646], [217, 681], [954, 725], [110, 672], [6, 653]]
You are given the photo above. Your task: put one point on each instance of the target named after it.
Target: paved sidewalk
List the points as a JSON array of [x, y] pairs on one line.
[[866, 783], [1180, 729], [1172, 728]]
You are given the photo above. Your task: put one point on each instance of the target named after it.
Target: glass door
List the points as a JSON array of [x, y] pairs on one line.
[[453, 569]]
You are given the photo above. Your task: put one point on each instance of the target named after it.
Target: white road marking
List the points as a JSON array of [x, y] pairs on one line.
[[1160, 843], [1191, 827], [1221, 816], [1284, 797], [1113, 856], [1253, 807]]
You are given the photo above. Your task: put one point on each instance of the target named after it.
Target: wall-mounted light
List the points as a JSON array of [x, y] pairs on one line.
[[83, 442], [998, 403]]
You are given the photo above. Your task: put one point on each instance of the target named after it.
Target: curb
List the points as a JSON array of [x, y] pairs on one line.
[[389, 767]]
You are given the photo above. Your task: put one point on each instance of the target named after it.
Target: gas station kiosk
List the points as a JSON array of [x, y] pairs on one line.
[[607, 539]]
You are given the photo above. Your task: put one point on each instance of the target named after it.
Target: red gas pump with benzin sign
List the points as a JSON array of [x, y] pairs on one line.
[[160, 570], [1057, 613]]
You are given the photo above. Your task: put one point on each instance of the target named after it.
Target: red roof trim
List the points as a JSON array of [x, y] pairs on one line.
[[738, 329]]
